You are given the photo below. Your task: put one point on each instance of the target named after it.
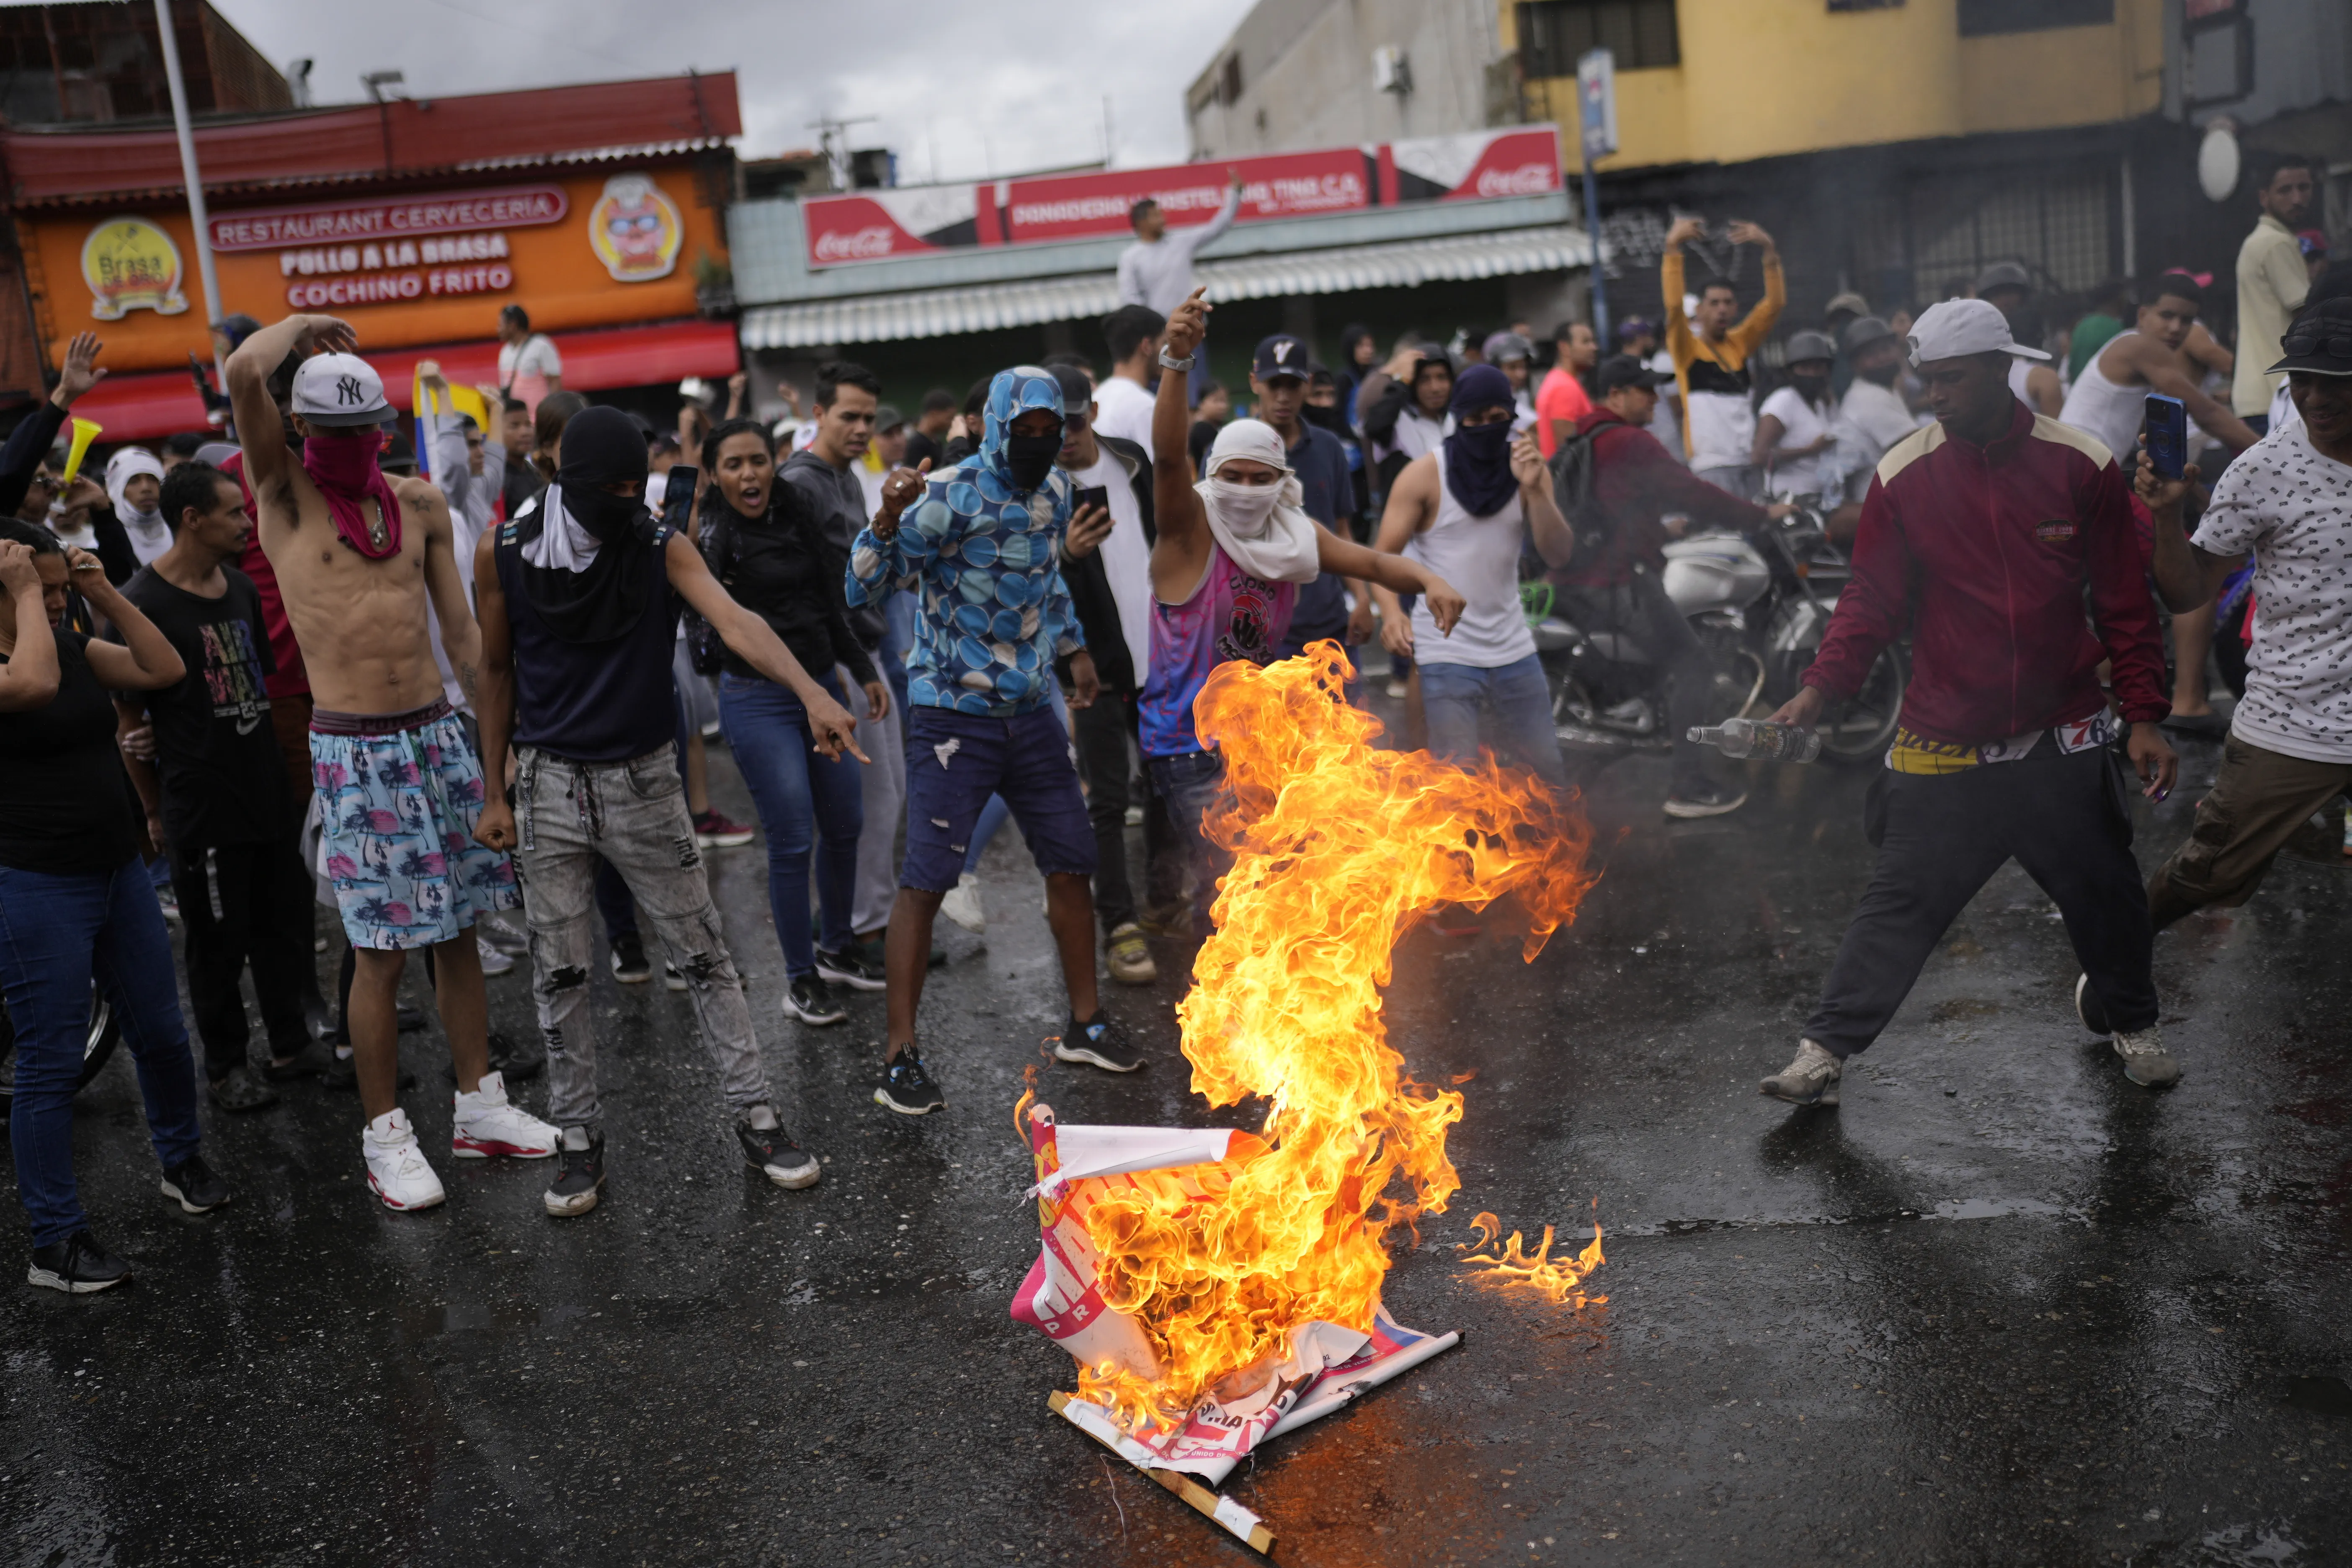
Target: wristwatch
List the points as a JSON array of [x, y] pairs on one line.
[[1184, 364]]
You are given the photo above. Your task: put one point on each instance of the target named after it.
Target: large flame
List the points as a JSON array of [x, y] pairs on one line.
[[1336, 846]]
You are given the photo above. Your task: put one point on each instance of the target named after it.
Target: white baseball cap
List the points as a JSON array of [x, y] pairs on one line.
[[337, 390], [1956, 328]]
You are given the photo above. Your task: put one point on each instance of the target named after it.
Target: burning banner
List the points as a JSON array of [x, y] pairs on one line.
[[1218, 1289]]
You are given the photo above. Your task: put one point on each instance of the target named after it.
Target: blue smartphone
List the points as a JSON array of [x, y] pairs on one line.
[[2168, 435]]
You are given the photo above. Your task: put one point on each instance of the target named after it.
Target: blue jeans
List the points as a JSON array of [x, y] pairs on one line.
[[1452, 694], [57, 934], [807, 804], [1188, 782]]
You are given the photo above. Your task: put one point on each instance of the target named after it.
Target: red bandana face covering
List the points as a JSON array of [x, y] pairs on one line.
[[344, 469]]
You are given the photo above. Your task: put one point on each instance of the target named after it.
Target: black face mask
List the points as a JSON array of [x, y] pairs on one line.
[[1029, 458], [1330, 419]]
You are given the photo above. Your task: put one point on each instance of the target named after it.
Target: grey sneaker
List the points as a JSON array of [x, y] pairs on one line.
[[1811, 1080], [579, 1172], [2146, 1061]]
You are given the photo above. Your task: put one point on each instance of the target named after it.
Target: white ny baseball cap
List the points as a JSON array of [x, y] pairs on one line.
[[1956, 328], [340, 389]]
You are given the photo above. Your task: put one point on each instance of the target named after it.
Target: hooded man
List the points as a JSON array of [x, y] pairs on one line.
[[1465, 511], [580, 599], [134, 484], [358, 558], [980, 548]]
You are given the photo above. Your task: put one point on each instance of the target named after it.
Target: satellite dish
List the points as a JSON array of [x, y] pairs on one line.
[[2218, 161]]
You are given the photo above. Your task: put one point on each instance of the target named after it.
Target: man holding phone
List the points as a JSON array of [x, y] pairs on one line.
[[2289, 501], [1983, 535], [579, 601]]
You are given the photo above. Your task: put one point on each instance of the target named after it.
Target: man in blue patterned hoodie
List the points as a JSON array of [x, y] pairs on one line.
[[976, 545]]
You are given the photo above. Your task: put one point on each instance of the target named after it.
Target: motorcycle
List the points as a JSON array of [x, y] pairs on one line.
[[1761, 606]]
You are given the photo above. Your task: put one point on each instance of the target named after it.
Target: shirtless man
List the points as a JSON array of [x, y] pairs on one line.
[[2162, 353], [359, 555]]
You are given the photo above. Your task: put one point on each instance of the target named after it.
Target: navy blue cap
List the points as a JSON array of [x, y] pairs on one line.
[[1281, 354]]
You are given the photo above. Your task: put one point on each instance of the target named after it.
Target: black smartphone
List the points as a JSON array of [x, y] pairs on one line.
[[1091, 495], [2168, 435], [677, 497]]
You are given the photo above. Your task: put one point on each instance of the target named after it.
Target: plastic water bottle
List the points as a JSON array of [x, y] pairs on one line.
[[1760, 739]]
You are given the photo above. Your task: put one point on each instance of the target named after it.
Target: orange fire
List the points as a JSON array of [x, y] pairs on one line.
[[1560, 1278], [1337, 847]]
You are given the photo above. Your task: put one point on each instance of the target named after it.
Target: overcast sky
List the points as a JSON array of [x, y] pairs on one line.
[[959, 90]]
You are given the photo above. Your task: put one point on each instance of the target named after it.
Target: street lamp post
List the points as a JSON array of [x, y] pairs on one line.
[[1596, 97], [190, 174]]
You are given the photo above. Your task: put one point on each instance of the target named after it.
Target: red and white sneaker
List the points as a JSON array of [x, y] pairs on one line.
[[395, 1165], [712, 831], [488, 1123]]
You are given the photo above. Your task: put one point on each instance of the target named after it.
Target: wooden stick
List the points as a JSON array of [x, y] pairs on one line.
[[1224, 1510]]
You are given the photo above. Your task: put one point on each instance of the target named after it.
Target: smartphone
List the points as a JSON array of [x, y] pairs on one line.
[[677, 499], [2168, 435], [1091, 495]]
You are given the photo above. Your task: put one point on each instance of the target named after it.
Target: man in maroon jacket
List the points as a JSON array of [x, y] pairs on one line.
[[1614, 581], [1979, 536]]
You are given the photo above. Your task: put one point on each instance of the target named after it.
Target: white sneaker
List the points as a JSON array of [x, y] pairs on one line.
[[962, 904], [499, 932], [495, 961], [486, 1123], [395, 1165]]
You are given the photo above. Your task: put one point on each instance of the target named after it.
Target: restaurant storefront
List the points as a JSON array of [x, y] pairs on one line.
[[598, 209]]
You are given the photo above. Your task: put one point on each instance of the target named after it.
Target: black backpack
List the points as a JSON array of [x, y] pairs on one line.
[[1571, 488]]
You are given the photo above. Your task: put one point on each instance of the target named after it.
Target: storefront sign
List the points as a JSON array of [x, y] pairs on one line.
[[449, 212], [634, 229], [877, 226], [131, 265]]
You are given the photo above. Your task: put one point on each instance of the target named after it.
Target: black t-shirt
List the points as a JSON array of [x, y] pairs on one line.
[[1202, 435], [782, 568], [223, 781], [920, 446], [64, 804]]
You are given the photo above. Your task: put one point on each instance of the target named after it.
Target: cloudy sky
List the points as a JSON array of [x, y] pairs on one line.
[[959, 90]]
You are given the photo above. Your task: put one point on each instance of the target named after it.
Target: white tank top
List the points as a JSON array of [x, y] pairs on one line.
[[1480, 556], [2097, 407]]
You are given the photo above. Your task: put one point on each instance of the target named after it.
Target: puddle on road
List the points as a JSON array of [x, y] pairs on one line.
[[1949, 1209]]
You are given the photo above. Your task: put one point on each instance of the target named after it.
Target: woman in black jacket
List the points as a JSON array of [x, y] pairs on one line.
[[767, 550]]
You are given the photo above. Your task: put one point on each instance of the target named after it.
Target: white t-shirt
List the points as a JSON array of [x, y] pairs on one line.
[[1870, 419], [1666, 424], [1127, 558], [535, 355], [2293, 508], [1123, 409], [1801, 425]]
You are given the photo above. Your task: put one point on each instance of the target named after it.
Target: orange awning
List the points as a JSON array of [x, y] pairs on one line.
[[161, 402]]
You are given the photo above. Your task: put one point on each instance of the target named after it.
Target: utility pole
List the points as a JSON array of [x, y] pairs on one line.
[[1596, 95], [832, 139], [192, 176]]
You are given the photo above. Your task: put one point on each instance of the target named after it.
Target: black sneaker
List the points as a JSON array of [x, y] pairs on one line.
[[2089, 1008], [579, 1172], [517, 1062], [907, 1088], [629, 964], [811, 1001], [852, 966], [239, 1089], [77, 1266], [412, 1019], [1101, 1043], [780, 1159], [193, 1182], [341, 1072], [310, 1061], [1712, 800]]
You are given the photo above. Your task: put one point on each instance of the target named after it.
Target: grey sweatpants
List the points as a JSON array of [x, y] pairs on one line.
[[633, 814], [883, 782]]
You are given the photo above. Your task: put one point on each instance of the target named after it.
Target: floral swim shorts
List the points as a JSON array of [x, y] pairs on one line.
[[398, 796]]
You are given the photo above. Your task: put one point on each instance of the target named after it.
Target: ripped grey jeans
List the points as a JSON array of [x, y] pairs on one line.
[[633, 814]]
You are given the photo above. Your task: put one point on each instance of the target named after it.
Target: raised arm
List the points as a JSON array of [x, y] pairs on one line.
[[2188, 576], [20, 459], [1209, 233], [461, 639], [144, 660], [1181, 553], [2161, 368], [30, 678], [258, 426], [1758, 325], [756, 643]]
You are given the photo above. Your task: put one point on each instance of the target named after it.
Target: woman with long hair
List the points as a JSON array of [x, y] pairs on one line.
[[76, 906], [765, 547]]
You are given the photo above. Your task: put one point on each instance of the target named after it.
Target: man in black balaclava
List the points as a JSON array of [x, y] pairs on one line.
[[578, 600]]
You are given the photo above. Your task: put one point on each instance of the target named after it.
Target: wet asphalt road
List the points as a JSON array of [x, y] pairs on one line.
[[2002, 1308]]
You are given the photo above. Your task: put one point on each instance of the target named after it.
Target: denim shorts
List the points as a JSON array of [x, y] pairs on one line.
[[956, 761]]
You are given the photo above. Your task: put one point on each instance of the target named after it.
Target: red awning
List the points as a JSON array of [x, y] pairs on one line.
[[388, 140], [161, 402]]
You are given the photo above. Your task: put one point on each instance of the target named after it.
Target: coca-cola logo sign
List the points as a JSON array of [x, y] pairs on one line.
[[868, 244], [1527, 180]]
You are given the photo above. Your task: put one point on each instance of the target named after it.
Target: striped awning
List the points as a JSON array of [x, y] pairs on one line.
[[939, 312]]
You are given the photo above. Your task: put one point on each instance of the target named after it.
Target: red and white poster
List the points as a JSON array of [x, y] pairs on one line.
[[918, 220]]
